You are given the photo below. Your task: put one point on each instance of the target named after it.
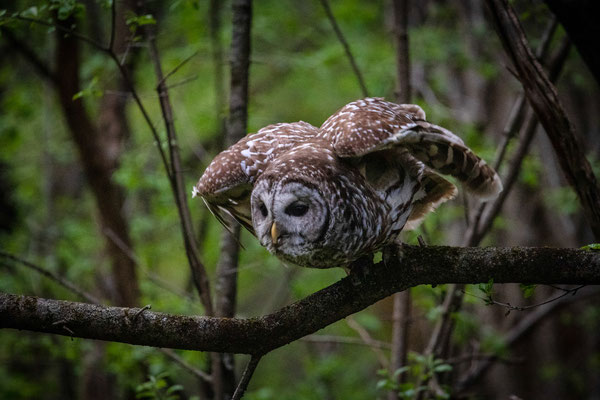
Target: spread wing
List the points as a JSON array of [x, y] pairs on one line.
[[227, 182], [397, 135]]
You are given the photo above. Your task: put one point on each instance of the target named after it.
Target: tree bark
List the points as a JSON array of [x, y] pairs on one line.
[[227, 269], [402, 300], [405, 266]]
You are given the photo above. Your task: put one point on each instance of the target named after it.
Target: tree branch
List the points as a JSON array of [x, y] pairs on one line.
[[406, 266], [346, 46], [402, 300], [199, 274]]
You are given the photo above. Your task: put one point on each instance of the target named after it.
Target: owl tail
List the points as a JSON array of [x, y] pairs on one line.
[[434, 191], [445, 153]]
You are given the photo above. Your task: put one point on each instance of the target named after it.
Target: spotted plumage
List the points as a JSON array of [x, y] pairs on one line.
[[323, 197]]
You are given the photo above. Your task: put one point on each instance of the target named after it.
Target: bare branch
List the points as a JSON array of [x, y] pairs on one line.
[[55, 277], [178, 66], [113, 25], [246, 376], [346, 46], [373, 343], [490, 300], [65, 30], [199, 274], [185, 365], [369, 341], [406, 266]]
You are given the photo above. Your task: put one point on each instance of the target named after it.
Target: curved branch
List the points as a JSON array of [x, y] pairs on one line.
[[406, 266]]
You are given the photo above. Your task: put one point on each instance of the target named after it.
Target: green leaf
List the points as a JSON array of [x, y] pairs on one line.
[[528, 289], [174, 388], [592, 246], [31, 12], [443, 368], [400, 371], [134, 21]]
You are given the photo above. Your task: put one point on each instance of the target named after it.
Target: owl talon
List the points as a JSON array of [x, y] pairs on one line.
[[359, 269]]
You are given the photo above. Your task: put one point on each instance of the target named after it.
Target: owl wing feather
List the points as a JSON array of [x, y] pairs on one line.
[[373, 124], [227, 182]]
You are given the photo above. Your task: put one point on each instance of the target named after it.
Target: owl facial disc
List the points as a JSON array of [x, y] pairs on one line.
[[289, 217]]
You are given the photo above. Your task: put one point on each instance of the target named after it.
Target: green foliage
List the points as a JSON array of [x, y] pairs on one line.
[[420, 370], [158, 388], [562, 200], [488, 290], [66, 8], [593, 246], [527, 289], [134, 21], [91, 90], [530, 172]]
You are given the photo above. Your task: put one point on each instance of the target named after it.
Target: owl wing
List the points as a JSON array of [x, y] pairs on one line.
[[227, 182], [373, 124]]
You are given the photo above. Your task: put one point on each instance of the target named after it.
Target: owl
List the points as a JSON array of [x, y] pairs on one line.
[[324, 197]]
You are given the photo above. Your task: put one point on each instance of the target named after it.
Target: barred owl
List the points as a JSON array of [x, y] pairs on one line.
[[324, 197]]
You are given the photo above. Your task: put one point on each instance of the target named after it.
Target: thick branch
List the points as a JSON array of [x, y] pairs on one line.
[[406, 266]]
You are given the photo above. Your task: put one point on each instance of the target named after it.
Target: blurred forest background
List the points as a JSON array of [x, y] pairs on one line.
[[84, 194]]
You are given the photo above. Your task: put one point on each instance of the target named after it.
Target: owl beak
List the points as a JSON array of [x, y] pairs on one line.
[[274, 233]]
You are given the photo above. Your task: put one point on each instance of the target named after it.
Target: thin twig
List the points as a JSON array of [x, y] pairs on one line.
[[182, 82], [157, 280], [177, 67], [55, 277], [138, 101], [61, 28], [346, 340], [113, 26], [185, 365], [346, 46], [177, 185], [369, 341], [246, 376], [490, 301]]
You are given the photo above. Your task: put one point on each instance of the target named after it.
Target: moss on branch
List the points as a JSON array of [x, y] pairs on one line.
[[404, 267]]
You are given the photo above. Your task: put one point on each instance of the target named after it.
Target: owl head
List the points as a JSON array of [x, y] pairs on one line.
[[291, 206], [290, 217]]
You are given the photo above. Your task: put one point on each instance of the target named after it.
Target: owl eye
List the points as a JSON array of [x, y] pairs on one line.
[[296, 209], [263, 209]]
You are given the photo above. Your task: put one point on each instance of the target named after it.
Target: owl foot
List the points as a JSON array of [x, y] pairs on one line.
[[359, 269]]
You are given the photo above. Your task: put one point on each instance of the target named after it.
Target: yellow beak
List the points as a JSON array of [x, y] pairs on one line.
[[274, 233]]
